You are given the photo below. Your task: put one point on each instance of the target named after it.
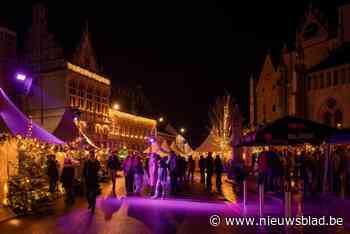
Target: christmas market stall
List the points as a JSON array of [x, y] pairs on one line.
[[289, 135], [24, 146]]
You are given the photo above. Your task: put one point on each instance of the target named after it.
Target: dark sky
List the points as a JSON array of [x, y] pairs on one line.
[[183, 53]]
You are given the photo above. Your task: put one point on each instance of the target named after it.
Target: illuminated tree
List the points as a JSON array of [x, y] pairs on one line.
[[223, 116]]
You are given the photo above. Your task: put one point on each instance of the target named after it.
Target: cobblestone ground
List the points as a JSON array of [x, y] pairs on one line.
[[187, 213]]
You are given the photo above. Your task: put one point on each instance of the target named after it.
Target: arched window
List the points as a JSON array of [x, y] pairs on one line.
[[321, 81], [338, 117], [327, 118], [329, 79]]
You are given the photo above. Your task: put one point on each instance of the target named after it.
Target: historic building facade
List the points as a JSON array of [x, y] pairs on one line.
[[75, 82], [8, 61], [312, 80]]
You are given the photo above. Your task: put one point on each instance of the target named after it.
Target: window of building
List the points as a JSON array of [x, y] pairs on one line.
[[329, 79], [335, 78], [315, 82], [338, 118], [342, 76], [82, 90], [309, 78], [321, 81]]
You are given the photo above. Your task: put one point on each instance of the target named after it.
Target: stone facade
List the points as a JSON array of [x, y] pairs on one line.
[[8, 62], [61, 83], [305, 81]]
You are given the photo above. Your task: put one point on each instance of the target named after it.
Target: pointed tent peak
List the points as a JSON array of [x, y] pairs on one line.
[[85, 54]]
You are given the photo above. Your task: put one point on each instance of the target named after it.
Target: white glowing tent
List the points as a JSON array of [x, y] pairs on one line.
[[180, 146]]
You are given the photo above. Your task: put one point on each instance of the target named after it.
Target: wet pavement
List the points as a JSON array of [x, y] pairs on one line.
[[188, 213]]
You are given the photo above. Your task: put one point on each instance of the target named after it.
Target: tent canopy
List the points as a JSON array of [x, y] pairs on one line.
[[289, 130], [17, 123], [68, 130], [210, 144], [155, 148], [180, 146]]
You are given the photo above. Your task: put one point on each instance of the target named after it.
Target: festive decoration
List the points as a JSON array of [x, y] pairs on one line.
[[220, 116]]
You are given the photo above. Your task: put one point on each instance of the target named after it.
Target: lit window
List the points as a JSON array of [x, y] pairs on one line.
[[335, 78], [315, 81], [329, 79], [321, 81], [342, 76]]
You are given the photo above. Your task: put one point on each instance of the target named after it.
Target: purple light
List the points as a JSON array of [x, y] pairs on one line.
[[151, 140], [21, 77]]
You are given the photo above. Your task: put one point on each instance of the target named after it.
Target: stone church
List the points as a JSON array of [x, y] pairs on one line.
[[311, 80]]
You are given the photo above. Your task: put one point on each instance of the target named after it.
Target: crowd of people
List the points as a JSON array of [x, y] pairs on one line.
[[279, 169], [162, 175]]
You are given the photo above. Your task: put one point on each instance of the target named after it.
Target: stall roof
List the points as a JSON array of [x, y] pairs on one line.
[[289, 130], [17, 123]]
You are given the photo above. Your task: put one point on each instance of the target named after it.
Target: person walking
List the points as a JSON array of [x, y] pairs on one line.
[[113, 166], [129, 173], [191, 167], [218, 171], [90, 172], [173, 171], [209, 163], [202, 168], [67, 180], [153, 171], [139, 173], [162, 179], [52, 172]]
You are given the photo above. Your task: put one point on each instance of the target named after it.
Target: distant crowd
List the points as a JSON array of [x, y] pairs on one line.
[[163, 176]]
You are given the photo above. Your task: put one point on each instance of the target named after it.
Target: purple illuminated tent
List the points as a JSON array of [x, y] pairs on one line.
[[68, 130], [17, 123]]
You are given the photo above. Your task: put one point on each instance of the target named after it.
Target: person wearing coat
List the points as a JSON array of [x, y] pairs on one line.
[[67, 180], [153, 171], [191, 167], [173, 165], [201, 165], [129, 172], [209, 163], [139, 173], [90, 173], [162, 179], [113, 165], [218, 171], [52, 172]]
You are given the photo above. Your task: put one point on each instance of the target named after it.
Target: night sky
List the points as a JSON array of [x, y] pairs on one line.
[[183, 53]]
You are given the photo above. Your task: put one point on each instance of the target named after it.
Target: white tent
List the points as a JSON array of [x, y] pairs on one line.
[[155, 148], [180, 146], [210, 144]]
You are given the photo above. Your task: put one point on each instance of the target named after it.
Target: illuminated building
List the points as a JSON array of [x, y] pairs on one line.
[[8, 61], [310, 80], [75, 82]]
